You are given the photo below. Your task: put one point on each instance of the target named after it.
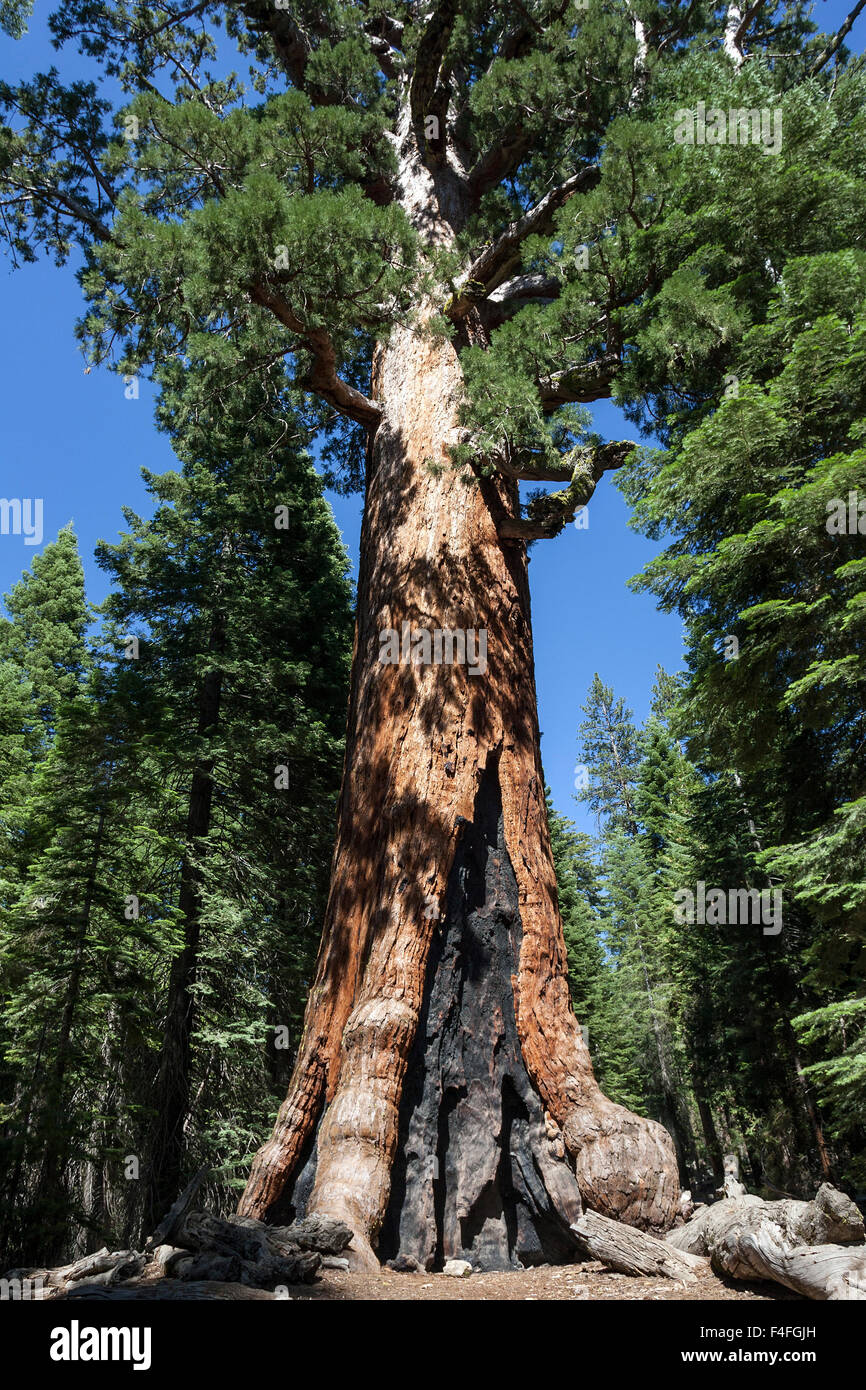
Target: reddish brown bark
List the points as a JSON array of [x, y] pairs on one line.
[[421, 739]]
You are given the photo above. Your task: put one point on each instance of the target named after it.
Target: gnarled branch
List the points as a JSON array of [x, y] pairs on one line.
[[322, 376], [503, 302], [823, 59], [737, 24], [424, 98], [502, 257], [591, 381], [291, 44], [547, 516]]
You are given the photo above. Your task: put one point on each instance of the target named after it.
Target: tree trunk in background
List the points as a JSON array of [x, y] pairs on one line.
[[172, 1090], [711, 1138], [443, 1103], [673, 1114], [802, 1100], [56, 1150]]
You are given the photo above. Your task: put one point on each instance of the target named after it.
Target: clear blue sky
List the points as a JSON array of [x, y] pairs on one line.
[[76, 442]]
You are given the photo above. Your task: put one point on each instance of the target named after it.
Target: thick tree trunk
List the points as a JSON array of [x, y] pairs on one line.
[[708, 1125], [443, 1095]]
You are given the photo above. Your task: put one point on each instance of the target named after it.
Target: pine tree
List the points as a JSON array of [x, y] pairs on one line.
[[436, 217], [44, 635], [76, 964], [766, 568], [237, 586], [579, 893], [615, 755], [241, 543]]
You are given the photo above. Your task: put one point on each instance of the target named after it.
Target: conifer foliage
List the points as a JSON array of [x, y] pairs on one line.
[[167, 815], [427, 236]]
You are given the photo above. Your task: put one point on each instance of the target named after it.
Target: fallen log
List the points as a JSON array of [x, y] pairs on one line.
[[175, 1215], [200, 1248], [107, 1268], [629, 1251], [241, 1252], [166, 1290], [325, 1234], [813, 1248]]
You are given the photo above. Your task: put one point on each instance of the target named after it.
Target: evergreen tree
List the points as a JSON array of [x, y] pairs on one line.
[[453, 224], [614, 753], [136, 935], [44, 634], [237, 585], [759, 487], [76, 959], [579, 903]]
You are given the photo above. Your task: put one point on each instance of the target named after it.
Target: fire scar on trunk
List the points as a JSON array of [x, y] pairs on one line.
[[480, 1173]]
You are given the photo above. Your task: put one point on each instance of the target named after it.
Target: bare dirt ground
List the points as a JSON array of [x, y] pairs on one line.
[[590, 1282]]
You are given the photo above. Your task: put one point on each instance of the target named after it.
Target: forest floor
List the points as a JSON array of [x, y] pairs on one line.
[[586, 1282], [590, 1282]]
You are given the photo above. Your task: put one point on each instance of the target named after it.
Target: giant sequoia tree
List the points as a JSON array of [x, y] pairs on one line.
[[444, 218]]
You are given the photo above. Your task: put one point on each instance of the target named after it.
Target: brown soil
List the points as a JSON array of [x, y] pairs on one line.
[[585, 1282]]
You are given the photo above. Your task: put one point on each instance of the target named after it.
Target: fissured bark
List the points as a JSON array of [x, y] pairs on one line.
[[424, 740]]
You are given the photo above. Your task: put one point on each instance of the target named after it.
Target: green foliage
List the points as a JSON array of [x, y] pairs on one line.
[[44, 634], [237, 582], [248, 243], [14, 15], [765, 564]]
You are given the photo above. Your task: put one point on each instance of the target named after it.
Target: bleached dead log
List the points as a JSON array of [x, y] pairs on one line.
[[173, 1290], [629, 1251], [323, 1233], [169, 1224], [106, 1268], [813, 1248]]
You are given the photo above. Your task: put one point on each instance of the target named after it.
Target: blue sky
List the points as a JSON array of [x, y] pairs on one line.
[[75, 441]]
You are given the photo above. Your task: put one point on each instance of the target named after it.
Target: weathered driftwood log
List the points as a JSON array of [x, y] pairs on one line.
[[200, 1248], [166, 1289], [241, 1252], [814, 1248], [102, 1267], [323, 1233], [630, 1251]]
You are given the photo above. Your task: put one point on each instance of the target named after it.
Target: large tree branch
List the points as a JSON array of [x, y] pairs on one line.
[[591, 381], [501, 159], [424, 98], [506, 155], [603, 457], [322, 376], [836, 43], [384, 54], [504, 302], [498, 261], [737, 23], [641, 60], [56, 199], [291, 44], [547, 516]]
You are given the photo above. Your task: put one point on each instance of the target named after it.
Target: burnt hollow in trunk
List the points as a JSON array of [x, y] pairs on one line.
[[476, 1175]]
